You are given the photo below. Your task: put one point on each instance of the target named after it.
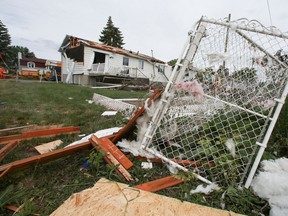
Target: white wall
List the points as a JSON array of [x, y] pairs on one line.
[[115, 61]]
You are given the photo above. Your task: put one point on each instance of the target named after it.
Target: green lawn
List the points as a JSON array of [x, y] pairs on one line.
[[44, 187]]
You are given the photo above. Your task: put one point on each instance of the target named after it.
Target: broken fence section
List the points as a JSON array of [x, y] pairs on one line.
[[222, 101], [125, 108]]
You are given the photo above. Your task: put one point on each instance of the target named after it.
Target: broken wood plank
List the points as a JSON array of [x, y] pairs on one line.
[[109, 157], [41, 159], [39, 133], [108, 146], [183, 162], [7, 148], [119, 167], [159, 184], [6, 130], [132, 122], [48, 147]]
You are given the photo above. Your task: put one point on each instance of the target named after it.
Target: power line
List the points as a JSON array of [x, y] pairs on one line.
[[269, 12]]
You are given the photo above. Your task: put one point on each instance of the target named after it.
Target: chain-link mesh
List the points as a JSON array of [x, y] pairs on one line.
[[219, 109]]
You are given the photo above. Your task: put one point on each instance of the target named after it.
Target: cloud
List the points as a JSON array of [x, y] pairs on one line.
[[161, 25]]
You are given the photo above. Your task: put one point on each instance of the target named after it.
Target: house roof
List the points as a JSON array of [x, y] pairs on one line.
[[34, 60], [72, 41]]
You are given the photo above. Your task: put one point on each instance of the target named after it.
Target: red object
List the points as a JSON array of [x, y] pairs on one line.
[[110, 159], [43, 158], [108, 146], [132, 122], [40, 133], [2, 72], [159, 184]]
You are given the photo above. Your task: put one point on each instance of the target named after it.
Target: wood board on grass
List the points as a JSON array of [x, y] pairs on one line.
[[48, 147], [108, 198]]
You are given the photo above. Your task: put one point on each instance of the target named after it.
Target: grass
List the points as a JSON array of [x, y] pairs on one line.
[[43, 188]]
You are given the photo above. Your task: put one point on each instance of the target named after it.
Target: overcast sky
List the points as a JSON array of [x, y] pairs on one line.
[[158, 25]]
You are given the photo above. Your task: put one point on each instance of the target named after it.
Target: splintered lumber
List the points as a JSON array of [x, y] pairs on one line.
[[48, 147], [16, 128], [183, 162], [106, 145], [116, 158], [39, 133], [132, 122], [159, 184], [7, 148], [41, 159], [107, 198]]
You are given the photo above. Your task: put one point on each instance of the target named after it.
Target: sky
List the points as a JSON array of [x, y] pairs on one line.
[[151, 26]]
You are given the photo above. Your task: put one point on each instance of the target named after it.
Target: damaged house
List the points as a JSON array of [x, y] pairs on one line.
[[86, 62]]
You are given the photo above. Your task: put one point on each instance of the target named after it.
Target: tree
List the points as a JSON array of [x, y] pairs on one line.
[[5, 41], [14, 54], [111, 35]]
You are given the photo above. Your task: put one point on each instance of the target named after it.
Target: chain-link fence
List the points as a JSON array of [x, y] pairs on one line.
[[222, 101]]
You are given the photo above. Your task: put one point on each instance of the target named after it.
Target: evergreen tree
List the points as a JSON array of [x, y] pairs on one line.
[[5, 41], [111, 35]]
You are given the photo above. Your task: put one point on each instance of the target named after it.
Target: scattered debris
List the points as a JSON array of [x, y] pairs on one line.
[[147, 165], [159, 184], [132, 122], [40, 133], [101, 133], [113, 198], [48, 147], [41, 159], [106, 145], [90, 101], [113, 156], [126, 108], [16, 128], [109, 113], [107, 87], [205, 189], [7, 148]]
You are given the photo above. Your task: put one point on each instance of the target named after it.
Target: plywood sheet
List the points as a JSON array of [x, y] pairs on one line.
[[108, 198]]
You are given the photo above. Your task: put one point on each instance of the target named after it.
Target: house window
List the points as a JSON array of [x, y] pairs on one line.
[[126, 61], [30, 64], [161, 68], [141, 64]]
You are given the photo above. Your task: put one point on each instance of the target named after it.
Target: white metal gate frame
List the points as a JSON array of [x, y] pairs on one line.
[[187, 56]]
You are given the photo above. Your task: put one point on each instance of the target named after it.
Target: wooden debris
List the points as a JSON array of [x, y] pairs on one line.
[[112, 198], [39, 133], [132, 122], [48, 147], [41, 159], [8, 130], [106, 145], [113, 156], [7, 148], [159, 184], [183, 162]]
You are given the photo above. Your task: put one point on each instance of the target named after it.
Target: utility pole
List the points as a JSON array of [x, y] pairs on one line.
[[17, 72]]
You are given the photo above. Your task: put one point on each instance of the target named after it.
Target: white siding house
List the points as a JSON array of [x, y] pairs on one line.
[[86, 62]]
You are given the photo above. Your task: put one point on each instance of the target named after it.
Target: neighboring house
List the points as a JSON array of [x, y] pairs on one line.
[[86, 62], [33, 67]]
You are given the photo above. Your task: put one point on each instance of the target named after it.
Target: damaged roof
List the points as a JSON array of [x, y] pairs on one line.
[[72, 41]]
